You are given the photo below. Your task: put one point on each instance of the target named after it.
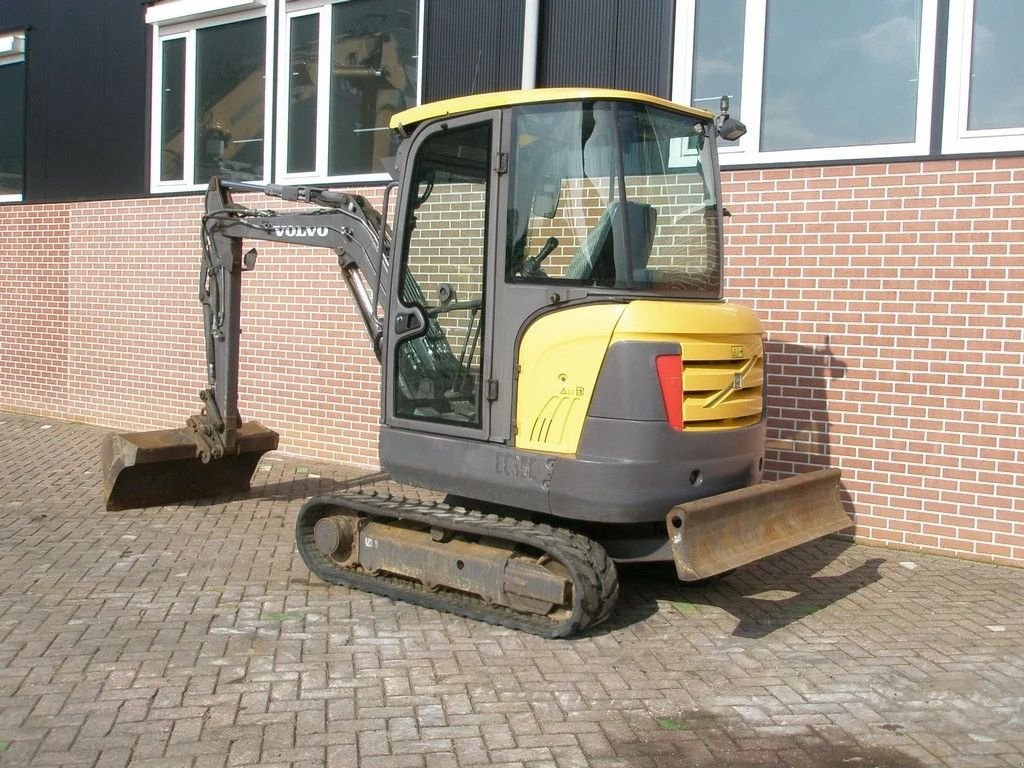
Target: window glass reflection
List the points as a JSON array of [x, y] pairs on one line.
[[996, 89], [718, 56], [172, 111], [230, 100], [12, 128], [302, 79], [373, 76], [840, 73]]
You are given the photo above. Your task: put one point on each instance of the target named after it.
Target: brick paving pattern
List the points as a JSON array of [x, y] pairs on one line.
[[193, 636]]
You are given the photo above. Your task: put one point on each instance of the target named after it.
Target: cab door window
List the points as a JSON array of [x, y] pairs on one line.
[[439, 374]]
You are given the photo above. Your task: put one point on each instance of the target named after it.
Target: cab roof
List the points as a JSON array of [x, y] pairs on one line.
[[407, 119]]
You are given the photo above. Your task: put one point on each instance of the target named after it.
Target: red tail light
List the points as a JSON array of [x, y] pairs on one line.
[[670, 377]]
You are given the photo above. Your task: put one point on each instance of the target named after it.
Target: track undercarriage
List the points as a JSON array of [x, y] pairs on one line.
[[513, 573], [383, 537]]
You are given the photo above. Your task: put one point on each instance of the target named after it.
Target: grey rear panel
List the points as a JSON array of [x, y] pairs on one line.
[[475, 469], [627, 387], [625, 472], [635, 471], [631, 466]]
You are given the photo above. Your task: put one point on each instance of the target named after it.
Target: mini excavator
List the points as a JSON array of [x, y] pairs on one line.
[[557, 363]]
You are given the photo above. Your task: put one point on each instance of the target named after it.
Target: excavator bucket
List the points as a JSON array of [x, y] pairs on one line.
[[719, 533], [148, 469]]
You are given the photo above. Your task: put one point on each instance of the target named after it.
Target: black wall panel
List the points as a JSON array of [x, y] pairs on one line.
[[86, 75], [577, 43], [607, 43], [472, 46], [87, 72]]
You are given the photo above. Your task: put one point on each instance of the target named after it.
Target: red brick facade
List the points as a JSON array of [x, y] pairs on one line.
[[893, 297], [892, 294], [34, 308]]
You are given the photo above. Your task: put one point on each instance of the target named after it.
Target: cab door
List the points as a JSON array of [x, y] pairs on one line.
[[438, 358]]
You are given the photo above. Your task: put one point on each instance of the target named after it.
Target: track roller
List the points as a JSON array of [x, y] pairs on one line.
[[512, 573]]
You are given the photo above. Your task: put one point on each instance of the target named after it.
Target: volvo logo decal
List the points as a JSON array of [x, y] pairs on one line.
[[290, 231]]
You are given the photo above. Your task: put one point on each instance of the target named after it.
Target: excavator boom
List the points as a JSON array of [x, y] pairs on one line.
[[215, 452]]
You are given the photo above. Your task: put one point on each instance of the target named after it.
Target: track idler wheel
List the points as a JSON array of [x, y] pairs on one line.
[[334, 537], [500, 570]]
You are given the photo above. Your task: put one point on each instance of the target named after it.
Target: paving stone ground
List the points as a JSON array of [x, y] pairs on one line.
[[194, 636]]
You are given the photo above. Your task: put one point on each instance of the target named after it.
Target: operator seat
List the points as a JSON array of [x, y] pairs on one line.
[[598, 262]]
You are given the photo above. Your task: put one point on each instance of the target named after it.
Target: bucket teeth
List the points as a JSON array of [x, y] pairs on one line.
[[146, 469]]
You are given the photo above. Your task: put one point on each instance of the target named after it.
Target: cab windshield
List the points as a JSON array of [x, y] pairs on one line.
[[614, 195]]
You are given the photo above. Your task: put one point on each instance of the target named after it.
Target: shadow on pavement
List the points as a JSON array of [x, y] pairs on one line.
[[707, 738], [301, 487], [763, 597], [304, 487]]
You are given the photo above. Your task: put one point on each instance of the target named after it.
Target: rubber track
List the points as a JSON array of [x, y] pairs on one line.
[[595, 582]]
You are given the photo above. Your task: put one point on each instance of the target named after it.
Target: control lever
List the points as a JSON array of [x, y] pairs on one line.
[[549, 246], [531, 267]]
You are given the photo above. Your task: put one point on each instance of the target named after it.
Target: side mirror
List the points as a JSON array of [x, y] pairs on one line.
[[731, 129], [547, 197]]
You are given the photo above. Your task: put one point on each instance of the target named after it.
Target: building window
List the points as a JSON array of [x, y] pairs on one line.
[[718, 56], [812, 79], [984, 108], [12, 126], [345, 68], [302, 74], [210, 112], [172, 117]]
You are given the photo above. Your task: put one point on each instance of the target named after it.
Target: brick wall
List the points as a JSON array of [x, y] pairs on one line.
[[893, 297], [34, 308], [101, 324]]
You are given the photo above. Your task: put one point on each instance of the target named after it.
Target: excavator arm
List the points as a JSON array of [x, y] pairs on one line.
[[346, 224], [159, 467]]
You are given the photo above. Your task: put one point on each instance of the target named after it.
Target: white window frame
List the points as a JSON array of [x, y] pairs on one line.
[[182, 19], [956, 136], [286, 12], [12, 51], [747, 150]]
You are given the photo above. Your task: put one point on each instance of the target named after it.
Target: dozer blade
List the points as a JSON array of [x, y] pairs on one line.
[[714, 535], [148, 469]]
